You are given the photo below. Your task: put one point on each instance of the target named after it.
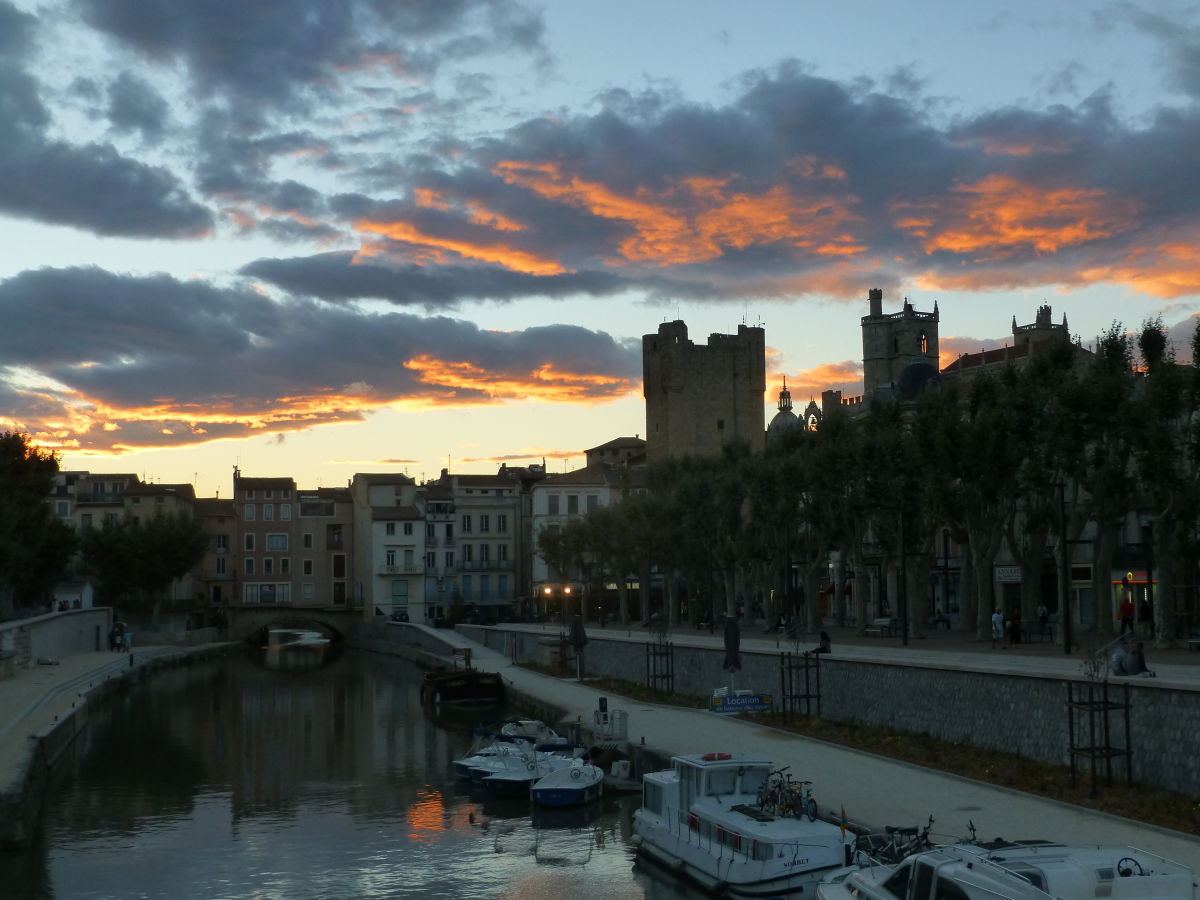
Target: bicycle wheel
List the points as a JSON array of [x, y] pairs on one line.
[[811, 809]]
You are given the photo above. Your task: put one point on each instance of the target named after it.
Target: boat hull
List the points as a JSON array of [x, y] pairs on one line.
[[729, 877], [565, 796]]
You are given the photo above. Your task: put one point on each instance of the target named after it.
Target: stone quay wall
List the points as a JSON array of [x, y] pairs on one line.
[[1023, 714]]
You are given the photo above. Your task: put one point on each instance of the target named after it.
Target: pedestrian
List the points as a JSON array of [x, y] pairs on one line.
[[1135, 662], [1119, 663], [825, 645], [1014, 629], [1125, 614], [997, 628]]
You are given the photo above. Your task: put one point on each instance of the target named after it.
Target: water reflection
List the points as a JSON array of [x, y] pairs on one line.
[[231, 779]]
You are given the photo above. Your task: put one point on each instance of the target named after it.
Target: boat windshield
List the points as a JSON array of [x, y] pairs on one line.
[[897, 884]]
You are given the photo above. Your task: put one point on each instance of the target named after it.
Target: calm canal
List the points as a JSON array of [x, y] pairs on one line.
[[236, 779]]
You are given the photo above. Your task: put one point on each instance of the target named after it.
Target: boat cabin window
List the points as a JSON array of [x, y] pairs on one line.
[[754, 778], [1033, 876], [721, 781], [922, 881], [652, 796], [946, 889], [897, 884]]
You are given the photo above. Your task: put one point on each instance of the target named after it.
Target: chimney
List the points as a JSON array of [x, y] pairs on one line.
[[875, 295]]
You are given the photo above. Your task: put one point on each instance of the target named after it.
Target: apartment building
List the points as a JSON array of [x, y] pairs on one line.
[[389, 559], [486, 539]]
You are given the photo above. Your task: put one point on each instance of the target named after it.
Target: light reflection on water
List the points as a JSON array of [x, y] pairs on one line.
[[227, 780]]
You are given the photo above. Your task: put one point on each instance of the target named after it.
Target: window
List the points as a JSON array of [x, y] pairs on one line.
[[62, 507], [400, 592], [285, 566], [268, 494], [466, 587], [467, 550], [277, 542], [269, 566], [408, 557], [249, 495], [485, 588], [449, 559], [449, 529], [485, 523], [285, 511], [220, 565], [249, 565], [572, 504], [285, 494], [552, 504], [484, 552], [466, 524], [334, 536], [391, 558], [593, 501], [307, 567], [339, 565], [222, 543], [431, 560], [248, 512], [249, 542], [502, 552], [429, 530], [502, 523], [307, 541], [389, 528], [408, 529], [85, 521], [502, 586], [268, 512], [308, 591]]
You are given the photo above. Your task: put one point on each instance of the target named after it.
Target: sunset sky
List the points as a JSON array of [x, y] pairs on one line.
[[320, 237]]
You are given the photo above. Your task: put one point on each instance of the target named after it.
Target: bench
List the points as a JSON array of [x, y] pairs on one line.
[[1034, 630], [882, 627]]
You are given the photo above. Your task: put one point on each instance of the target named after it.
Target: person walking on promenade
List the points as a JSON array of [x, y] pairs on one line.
[[997, 628], [1126, 615]]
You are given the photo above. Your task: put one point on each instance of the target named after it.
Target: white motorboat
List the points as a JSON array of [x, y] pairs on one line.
[[569, 786], [1030, 870], [706, 818], [514, 776]]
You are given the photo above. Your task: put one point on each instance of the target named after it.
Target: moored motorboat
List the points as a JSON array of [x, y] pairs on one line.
[[514, 776], [708, 818], [569, 786], [1024, 870]]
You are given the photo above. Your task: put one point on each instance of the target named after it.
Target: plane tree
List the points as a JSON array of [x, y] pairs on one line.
[[34, 543], [136, 559]]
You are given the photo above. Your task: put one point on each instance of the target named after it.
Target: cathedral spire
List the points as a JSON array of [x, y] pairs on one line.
[[785, 397]]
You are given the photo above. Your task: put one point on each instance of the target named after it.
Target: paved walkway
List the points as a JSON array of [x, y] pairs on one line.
[[871, 789]]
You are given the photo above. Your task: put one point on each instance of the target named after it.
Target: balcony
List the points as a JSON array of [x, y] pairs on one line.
[[410, 569]]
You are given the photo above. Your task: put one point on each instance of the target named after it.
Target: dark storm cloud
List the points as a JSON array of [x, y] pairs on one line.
[[284, 54], [335, 276], [160, 361], [134, 105], [16, 32], [90, 186], [807, 185]]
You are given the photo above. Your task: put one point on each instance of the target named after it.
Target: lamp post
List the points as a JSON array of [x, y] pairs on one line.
[[946, 574], [1064, 585]]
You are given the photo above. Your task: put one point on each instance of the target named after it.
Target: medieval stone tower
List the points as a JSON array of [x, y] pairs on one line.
[[700, 398], [893, 341]]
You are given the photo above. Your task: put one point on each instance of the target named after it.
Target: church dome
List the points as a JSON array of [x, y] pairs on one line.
[[785, 419], [918, 376]]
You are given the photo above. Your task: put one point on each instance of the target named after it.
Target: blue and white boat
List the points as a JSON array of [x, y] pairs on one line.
[[570, 786]]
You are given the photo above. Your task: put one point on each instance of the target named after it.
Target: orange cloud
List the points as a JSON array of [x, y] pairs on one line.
[[1168, 270], [543, 383], [999, 214], [488, 251], [697, 220], [809, 383]]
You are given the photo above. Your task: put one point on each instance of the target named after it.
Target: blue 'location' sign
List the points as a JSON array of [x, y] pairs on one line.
[[742, 703]]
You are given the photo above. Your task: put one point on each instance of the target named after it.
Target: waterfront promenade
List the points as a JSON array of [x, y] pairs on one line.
[[872, 790]]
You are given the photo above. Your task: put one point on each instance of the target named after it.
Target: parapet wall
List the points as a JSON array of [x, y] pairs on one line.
[[1022, 714], [54, 635]]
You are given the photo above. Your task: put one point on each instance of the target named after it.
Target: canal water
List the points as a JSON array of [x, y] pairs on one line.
[[322, 777]]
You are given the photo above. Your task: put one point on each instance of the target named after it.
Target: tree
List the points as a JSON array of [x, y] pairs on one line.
[[136, 560], [34, 545]]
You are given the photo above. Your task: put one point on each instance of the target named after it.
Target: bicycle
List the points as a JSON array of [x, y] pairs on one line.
[[895, 844], [782, 796]]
